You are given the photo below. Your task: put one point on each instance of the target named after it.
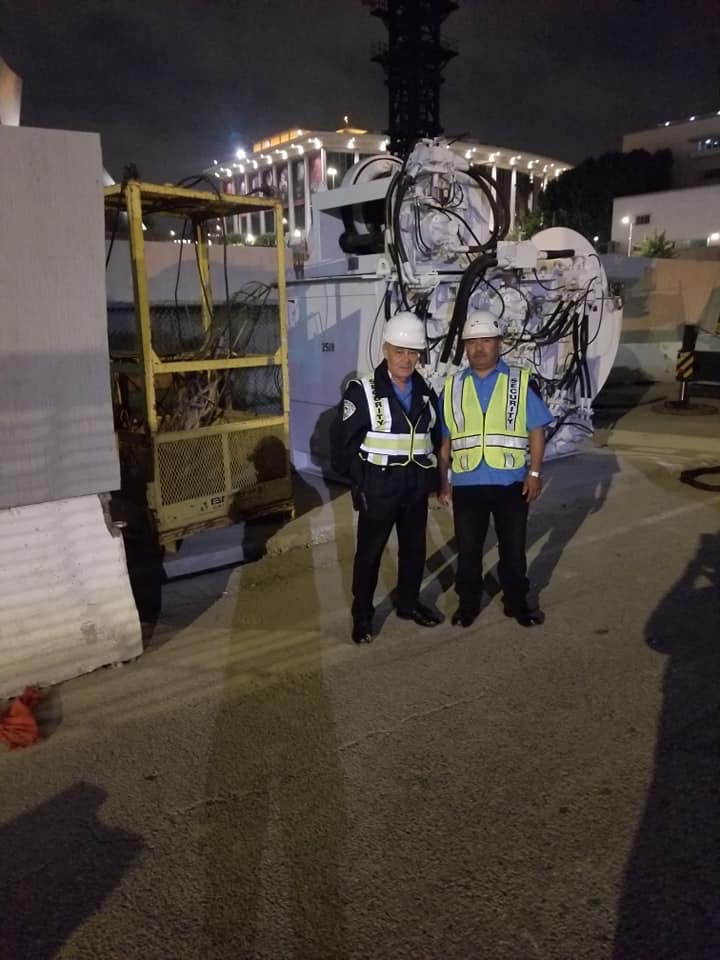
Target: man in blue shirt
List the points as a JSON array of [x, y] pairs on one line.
[[493, 424]]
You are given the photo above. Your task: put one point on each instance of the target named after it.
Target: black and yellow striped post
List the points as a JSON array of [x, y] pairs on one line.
[[685, 365]]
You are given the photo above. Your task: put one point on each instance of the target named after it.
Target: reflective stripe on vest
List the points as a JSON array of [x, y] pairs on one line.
[[458, 415], [380, 443], [491, 440], [397, 445], [499, 436], [512, 405], [379, 407]]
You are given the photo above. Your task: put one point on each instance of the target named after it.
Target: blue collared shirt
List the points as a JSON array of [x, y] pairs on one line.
[[537, 415], [404, 396]]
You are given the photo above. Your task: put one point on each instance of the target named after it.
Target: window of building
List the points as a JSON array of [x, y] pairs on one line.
[[315, 168], [268, 181], [282, 183], [641, 219], [341, 163], [709, 144], [503, 180], [524, 189], [298, 175]]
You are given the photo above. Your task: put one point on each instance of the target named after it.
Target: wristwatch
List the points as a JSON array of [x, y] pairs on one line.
[[535, 474]]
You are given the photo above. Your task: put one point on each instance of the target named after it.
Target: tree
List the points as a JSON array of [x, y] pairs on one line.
[[582, 198], [527, 226], [656, 245]]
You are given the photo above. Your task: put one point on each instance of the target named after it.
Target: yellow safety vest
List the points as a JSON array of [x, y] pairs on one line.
[[499, 436], [385, 447]]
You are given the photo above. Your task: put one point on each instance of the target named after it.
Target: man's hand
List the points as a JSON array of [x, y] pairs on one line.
[[445, 495], [532, 488]]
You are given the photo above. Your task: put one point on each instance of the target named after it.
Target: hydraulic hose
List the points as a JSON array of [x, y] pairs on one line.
[[470, 277], [691, 477], [498, 206], [584, 337]]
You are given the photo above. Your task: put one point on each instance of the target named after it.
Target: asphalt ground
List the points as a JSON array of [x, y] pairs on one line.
[[256, 786]]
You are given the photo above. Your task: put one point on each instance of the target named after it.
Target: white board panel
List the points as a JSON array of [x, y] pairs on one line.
[[65, 601]]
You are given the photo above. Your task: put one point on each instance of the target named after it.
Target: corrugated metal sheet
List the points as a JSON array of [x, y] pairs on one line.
[[56, 427], [65, 601]]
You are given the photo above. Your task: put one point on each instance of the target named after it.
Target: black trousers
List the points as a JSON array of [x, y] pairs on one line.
[[376, 518], [472, 508]]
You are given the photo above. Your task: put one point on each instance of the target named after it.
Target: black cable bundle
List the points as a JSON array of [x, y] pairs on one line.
[[401, 183], [498, 206], [474, 273]]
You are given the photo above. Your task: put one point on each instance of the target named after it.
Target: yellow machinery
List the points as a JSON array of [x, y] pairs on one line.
[[202, 421]]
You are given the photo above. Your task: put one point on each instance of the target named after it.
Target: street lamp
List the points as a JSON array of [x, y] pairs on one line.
[[629, 224], [332, 172]]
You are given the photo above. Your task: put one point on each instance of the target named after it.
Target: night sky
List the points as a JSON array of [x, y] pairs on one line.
[[174, 84]]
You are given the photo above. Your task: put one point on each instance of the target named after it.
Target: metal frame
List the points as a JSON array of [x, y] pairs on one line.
[[177, 520]]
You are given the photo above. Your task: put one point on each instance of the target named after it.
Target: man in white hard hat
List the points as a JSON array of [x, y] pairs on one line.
[[493, 424], [387, 446]]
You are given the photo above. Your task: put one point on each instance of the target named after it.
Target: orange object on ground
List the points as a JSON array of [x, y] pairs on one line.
[[18, 726]]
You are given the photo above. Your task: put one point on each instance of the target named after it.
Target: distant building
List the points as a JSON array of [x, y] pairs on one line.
[[689, 214], [297, 163], [695, 146]]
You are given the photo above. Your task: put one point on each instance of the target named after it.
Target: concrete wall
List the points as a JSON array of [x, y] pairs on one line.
[[692, 214], [659, 298]]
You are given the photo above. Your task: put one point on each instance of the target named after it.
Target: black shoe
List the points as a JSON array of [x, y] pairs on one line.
[[527, 618], [422, 615], [463, 618], [362, 633]]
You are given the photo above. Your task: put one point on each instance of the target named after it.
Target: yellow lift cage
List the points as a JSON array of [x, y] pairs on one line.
[[197, 448]]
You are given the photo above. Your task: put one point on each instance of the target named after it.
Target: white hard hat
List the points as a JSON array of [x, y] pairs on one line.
[[481, 323], [405, 330]]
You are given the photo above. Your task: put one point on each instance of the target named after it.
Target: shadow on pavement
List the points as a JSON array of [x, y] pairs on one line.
[[555, 520], [58, 863], [557, 527], [573, 504], [273, 825], [619, 397], [669, 908], [186, 598]]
